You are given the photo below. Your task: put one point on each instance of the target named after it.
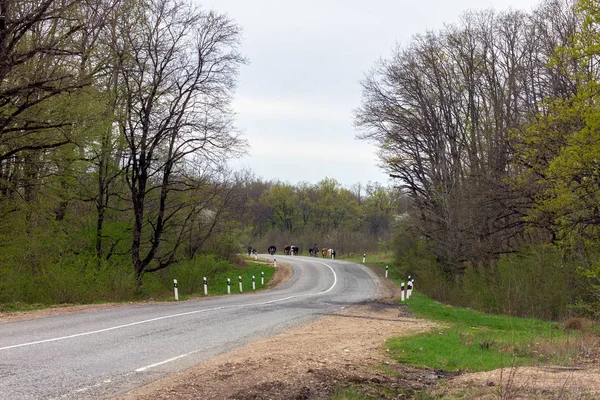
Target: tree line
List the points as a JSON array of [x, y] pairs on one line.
[[326, 214], [489, 126]]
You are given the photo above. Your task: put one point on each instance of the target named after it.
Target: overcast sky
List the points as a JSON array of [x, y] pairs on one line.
[[295, 98]]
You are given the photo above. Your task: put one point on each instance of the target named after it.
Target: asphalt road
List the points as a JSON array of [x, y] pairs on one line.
[[100, 354]]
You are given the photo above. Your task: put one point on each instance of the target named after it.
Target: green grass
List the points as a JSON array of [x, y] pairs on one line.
[[190, 279], [346, 394], [376, 391], [424, 307], [373, 259], [474, 341], [218, 282]]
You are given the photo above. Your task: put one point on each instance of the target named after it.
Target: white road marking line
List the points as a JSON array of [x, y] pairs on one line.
[[173, 316], [166, 361], [185, 355], [85, 389]]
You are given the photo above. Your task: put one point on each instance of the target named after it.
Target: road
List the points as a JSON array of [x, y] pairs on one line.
[[99, 354]]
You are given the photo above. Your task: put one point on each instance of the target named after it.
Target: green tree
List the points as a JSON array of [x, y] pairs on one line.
[[281, 200], [561, 148]]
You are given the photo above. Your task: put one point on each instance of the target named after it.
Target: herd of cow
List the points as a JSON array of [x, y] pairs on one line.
[[294, 250]]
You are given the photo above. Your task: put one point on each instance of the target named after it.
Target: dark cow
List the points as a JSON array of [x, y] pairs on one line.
[[286, 250], [272, 250], [294, 250]]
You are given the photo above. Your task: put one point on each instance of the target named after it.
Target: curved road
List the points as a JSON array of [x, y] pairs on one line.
[[100, 354]]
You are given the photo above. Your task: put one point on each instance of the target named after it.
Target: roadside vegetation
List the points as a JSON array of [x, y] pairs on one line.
[[471, 341], [97, 286]]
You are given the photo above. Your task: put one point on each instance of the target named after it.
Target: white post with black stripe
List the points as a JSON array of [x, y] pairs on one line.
[[402, 291], [386, 271], [205, 286], [175, 290], [253, 283], [228, 286], [364, 258], [262, 278], [274, 263], [240, 280]]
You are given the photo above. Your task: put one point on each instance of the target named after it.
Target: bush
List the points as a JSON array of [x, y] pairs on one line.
[[540, 281], [75, 279]]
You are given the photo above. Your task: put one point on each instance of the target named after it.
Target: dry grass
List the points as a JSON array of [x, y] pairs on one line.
[[577, 324], [569, 350]]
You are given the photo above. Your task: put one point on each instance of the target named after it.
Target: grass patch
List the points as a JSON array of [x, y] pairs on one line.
[[252, 270], [190, 278], [475, 341], [377, 391], [17, 307], [373, 259]]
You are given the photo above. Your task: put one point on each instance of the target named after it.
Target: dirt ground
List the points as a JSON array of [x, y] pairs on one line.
[[347, 348]]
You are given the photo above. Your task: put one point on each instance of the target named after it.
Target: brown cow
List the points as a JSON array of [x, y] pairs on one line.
[[324, 252]]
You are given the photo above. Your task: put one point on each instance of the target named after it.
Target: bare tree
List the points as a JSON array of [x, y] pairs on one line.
[[443, 111], [177, 67]]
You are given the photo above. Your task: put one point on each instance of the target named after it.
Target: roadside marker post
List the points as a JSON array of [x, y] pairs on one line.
[[253, 283], [262, 278], [228, 286], [386, 271], [364, 258], [274, 263], [402, 291], [205, 287], [240, 279], [175, 290]]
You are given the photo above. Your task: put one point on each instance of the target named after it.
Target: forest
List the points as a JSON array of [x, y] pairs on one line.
[[116, 127]]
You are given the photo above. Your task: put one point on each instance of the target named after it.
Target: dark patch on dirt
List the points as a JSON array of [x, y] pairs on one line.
[[399, 382]]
